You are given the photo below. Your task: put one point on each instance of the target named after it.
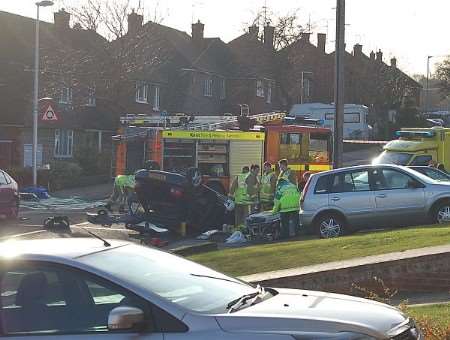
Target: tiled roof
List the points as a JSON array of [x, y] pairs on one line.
[[251, 58]]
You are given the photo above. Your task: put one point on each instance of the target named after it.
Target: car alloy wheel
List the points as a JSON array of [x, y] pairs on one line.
[[443, 214], [330, 227]]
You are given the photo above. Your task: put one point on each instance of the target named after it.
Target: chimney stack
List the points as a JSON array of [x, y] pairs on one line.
[[253, 31], [305, 36], [372, 55], [198, 30], [357, 50], [269, 32], [134, 22], [321, 42], [394, 62], [379, 56], [62, 20]]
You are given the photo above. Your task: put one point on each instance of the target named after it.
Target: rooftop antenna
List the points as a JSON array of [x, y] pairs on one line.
[[265, 12], [195, 3], [309, 23]]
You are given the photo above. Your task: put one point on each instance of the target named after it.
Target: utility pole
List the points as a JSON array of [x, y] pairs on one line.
[[339, 84]]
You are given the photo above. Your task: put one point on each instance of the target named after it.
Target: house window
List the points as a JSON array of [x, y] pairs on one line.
[[260, 88], [223, 90], [141, 92], [269, 93], [63, 143], [91, 96], [156, 98], [66, 95], [207, 88]]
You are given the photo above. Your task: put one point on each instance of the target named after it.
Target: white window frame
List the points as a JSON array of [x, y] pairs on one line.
[[269, 93], [260, 88], [68, 153], [223, 89], [208, 87], [66, 95], [141, 92], [91, 96], [156, 92]]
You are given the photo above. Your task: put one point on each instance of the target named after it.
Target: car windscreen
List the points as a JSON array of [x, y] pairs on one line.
[[180, 281], [399, 158], [435, 174]]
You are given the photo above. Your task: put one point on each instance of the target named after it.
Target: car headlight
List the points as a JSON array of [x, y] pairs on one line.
[[407, 331]]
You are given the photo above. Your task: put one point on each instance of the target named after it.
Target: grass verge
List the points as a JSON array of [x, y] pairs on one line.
[[283, 255], [438, 313]]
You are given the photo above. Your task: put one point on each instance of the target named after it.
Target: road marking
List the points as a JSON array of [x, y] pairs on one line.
[[81, 226], [101, 228], [24, 234]]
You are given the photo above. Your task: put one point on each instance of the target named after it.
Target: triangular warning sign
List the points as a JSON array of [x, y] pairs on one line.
[[49, 114]]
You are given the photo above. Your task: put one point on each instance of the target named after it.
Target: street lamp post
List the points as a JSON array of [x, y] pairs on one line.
[[44, 3], [427, 83], [302, 94]]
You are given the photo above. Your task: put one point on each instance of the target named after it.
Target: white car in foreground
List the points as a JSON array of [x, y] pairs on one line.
[[89, 289]]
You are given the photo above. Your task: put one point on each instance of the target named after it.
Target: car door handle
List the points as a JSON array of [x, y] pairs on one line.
[[335, 199], [381, 196]]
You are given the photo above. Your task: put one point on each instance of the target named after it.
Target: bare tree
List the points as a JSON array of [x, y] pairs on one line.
[[443, 75], [88, 15], [288, 28], [107, 17]]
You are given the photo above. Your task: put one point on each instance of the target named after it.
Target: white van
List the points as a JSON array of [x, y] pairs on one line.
[[355, 117]]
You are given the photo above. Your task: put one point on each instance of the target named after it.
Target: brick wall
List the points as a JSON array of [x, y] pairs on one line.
[[426, 273]]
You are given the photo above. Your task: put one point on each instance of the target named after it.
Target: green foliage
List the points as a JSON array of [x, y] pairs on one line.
[[24, 176], [63, 173], [91, 162], [443, 74]]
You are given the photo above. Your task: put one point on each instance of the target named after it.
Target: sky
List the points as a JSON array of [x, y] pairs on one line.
[[410, 30]]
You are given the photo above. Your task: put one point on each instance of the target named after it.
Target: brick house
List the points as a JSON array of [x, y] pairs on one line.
[[254, 78], [306, 71], [307, 75], [68, 58], [172, 71]]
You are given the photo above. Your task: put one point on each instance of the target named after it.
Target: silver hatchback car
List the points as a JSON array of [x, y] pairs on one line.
[[64, 289], [343, 200]]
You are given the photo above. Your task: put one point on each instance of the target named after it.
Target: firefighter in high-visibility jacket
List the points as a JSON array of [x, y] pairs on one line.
[[287, 203], [239, 193], [286, 172], [267, 187]]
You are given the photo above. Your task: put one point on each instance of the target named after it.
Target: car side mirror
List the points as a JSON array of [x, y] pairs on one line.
[[414, 185], [125, 318]]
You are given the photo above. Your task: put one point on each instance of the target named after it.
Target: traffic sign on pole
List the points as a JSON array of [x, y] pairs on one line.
[[49, 114]]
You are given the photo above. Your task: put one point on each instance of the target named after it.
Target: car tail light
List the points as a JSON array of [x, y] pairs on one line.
[[305, 190], [176, 193]]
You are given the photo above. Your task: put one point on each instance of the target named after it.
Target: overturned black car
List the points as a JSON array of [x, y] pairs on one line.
[[169, 199]]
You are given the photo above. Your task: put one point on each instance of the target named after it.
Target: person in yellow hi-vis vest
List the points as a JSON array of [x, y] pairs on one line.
[[239, 192], [267, 187], [287, 204], [285, 172], [122, 192]]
